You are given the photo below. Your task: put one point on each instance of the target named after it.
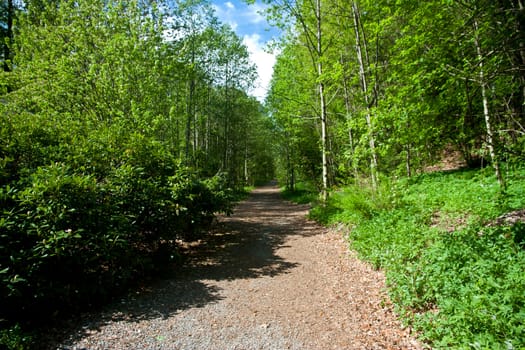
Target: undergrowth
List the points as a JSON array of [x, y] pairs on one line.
[[453, 276], [303, 193]]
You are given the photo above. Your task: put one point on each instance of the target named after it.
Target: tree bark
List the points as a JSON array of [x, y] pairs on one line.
[[348, 116], [322, 102], [364, 87], [488, 120]]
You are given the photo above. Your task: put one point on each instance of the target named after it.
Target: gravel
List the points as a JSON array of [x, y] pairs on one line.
[[267, 278]]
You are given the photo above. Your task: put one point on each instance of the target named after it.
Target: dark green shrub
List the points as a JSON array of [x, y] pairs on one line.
[[78, 235], [60, 242], [196, 201], [14, 338]]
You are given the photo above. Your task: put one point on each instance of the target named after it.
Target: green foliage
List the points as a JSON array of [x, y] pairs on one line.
[[78, 235], [355, 204], [14, 338], [404, 84], [455, 279], [123, 127], [303, 193], [475, 279]]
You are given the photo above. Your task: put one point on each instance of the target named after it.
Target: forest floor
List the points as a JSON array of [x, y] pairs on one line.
[[267, 278]]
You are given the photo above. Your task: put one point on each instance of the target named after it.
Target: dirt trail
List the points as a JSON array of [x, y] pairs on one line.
[[267, 279]]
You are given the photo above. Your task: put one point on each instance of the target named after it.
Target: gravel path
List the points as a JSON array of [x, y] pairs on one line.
[[266, 279]]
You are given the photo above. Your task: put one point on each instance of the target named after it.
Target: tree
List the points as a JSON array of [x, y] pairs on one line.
[[360, 46], [308, 18], [118, 140], [293, 111], [424, 77]]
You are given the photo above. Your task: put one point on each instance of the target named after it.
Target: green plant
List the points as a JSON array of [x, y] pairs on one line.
[[303, 193], [79, 231], [14, 338], [457, 281]]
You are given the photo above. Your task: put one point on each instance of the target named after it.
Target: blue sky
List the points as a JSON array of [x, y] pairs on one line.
[[251, 25]]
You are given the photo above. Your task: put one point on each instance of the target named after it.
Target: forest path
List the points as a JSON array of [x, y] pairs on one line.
[[267, 278]]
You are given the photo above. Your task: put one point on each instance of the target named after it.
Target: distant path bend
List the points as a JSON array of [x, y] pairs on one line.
[[268, 278]]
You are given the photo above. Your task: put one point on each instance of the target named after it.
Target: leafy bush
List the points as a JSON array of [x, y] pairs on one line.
[[60, 242], [77, 231], [196, 202], [14, 338]]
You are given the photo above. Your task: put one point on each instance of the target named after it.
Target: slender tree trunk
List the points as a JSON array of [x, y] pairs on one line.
[[178, 112], [348, 116], [288, 168], [488, 120], [364, 87], [322, 102], [408, 160], [519, 60], [246, 175], [189, 119], [190, 104], [196, 127], [9, 39], [227, 110], [208, 126]]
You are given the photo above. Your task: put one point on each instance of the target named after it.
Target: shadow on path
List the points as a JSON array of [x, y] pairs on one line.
[[242, 246]]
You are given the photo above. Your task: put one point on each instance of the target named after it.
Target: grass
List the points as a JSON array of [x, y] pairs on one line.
[[457, 281], [304, 193]]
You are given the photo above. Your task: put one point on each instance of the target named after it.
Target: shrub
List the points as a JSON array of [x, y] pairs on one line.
[[60, 242], [14, 338], [77, 232], [475, 281]]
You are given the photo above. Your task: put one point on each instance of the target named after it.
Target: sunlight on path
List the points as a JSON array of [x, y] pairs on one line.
[[267, 279]]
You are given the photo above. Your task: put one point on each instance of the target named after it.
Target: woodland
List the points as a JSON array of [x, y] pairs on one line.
[[125, 126]]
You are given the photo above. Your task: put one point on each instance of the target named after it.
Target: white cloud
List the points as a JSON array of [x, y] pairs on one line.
[[254, 14], [249, 22], [264, 62], [226, 13]]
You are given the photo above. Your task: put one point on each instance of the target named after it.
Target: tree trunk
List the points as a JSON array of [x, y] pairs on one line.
[[227, 111], [364, 87], [190, 109], [408, 160], [488, 120], [246, 174], [348, 117], [322, 103], [290, 173]]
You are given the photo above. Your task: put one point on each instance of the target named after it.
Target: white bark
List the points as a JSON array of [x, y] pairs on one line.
[[322, 102], [364, 87], [486, 112], [348, 117]]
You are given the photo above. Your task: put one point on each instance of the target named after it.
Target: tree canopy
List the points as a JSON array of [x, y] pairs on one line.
[[403, 83]]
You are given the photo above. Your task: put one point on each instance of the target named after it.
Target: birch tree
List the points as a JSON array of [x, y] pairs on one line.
[[308, 17]]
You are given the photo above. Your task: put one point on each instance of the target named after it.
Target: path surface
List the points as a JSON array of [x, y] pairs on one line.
[[267, 279]]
